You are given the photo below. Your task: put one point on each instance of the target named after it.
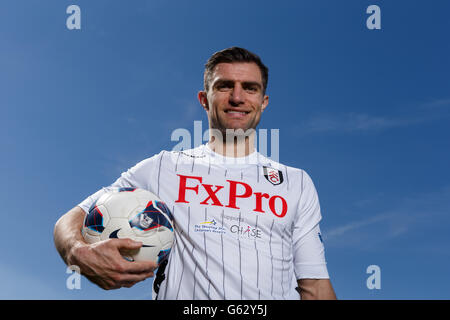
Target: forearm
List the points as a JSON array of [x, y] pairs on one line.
[[316, 289], [67, 233], [101, 262]]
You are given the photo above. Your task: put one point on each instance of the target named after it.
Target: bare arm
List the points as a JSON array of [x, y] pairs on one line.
[[316, 289], [67, 234], [101, 262]]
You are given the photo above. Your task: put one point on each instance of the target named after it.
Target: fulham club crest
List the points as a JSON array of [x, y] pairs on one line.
[[272, 175]]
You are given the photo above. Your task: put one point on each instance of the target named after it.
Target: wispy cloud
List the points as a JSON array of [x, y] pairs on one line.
[[351, 122], [425, 211], [438, 103], [355, 225]]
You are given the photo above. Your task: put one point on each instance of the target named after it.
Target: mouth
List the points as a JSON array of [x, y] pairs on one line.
[[237, 112]]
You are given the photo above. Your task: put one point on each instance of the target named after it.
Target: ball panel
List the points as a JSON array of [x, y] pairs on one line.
[[89, 237], [126, 189], [151, 246], [96, 219], [165, 209], [144, 196], [117, 228], [121, 204], [165, 238]]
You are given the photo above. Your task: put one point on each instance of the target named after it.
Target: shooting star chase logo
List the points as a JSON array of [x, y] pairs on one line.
[[209, 226], [236, 229], [212, 222], [246, 232]]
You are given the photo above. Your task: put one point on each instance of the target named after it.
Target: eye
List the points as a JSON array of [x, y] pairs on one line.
[[223, 87], [252, 89]]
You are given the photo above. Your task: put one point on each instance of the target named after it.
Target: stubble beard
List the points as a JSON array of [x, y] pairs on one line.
[[224, 134]]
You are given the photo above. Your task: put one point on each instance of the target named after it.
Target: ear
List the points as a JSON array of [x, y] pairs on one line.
[[265, 103], [202, 98]]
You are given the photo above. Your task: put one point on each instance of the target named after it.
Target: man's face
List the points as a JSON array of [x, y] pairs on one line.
[[235, 97]]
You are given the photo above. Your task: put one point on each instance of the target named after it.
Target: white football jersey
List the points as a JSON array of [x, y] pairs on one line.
[[245, 228]]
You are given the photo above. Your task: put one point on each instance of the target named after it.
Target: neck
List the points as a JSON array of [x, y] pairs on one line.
[[233, 145]]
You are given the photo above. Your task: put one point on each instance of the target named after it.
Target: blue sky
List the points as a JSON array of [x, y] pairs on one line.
[[365, 112]]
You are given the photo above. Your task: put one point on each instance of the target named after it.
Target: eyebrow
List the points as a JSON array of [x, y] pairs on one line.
[[231, 82]]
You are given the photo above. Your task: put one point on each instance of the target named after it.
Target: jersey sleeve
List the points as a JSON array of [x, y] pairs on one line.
[[143, 175], [308, 249]]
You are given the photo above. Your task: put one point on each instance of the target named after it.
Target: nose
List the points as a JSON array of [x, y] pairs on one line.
[[236, 95]]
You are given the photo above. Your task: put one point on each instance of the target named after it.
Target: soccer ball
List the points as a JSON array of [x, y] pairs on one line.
[[132, 213]]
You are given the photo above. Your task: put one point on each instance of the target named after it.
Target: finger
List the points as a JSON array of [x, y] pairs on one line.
[[124, 279], [137, 267], [119, 279], [126, 244]]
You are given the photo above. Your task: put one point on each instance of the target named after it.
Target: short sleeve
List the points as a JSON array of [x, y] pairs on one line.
[[139, 176], [308, 248]]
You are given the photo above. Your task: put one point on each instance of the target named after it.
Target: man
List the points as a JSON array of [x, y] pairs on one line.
[[246, 227]]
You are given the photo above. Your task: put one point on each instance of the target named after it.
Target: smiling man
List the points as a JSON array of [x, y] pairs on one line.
[[246, 227], [234, 98], [237, 93]]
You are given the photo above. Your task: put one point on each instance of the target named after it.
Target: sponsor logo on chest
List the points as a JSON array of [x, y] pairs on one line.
[[236, 193]]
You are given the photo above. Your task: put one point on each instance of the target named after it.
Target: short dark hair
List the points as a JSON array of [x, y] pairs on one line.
[[230, 55]]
